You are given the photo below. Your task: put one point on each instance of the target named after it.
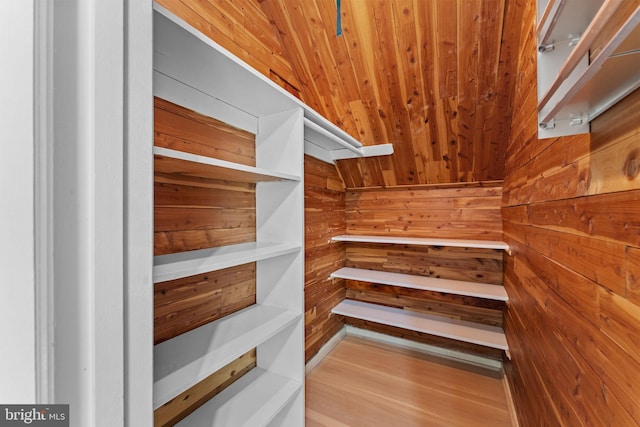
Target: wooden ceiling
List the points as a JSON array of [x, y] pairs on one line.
[[433, 77]]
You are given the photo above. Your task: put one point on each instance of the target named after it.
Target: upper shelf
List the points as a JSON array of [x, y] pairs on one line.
[[459, 243], [193, 165], [583, 72], [185, 60]]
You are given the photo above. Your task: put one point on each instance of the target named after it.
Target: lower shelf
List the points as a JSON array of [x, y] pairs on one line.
[[187, 359], [253, 400], [488, 336]]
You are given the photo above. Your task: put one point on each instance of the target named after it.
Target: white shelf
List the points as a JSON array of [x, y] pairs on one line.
[[485, 335], [187, 359], [458, 287], [183, 264], [182, 163], [418, 241], [185, 55], [252, 401]]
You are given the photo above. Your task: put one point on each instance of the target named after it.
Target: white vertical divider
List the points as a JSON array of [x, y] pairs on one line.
[[280, 218]]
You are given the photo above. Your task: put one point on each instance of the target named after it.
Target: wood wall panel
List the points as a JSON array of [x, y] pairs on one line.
[[570, 212], [184, 304], [462, 211], [467, 211], [434, 78], [324, 217]]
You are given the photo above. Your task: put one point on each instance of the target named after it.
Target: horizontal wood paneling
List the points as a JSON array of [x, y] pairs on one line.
[[178, 128], [455, 212], [470, 211], [468, 264], [570, 211], [184, 304], [191, 213], [185, 403], [324, 217]]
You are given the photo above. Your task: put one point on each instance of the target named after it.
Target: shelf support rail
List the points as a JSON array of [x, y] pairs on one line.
[[599, 22], [317, 128]]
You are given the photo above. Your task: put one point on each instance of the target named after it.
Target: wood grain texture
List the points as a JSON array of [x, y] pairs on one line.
[[184, 304], [364, 383], [194, 213], [324, 217], [427, 211], [464, 210], [434, 78], [570, 212], [185, 403]]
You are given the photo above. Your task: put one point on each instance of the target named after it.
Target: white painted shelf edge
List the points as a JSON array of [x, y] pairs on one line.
[[309, 114], [485, 335], [183, 264], [252, 401], [419, 241], [189, 358], [458, 287], [204, 160]]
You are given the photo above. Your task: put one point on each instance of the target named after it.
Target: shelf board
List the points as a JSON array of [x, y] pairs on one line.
[[183, 264], [488, 336], [253, 400], [458, 287], [181, 163], [187, 359], [184, 54], [419, 241]]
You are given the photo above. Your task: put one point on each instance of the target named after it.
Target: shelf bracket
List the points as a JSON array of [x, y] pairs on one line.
[[544, 48]]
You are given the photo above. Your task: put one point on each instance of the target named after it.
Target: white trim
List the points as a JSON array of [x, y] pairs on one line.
[[138, 213], [18, 357], [43, 142], [325, 350]]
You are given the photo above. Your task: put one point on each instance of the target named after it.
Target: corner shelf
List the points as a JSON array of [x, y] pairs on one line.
[[187, 359], [457, 287], [459, 243], [574, 89], [488, 336], [181, 163], [253, 401]]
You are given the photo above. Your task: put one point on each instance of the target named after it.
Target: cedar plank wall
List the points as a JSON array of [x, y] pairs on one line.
[[242, 27], [324, 217], [571, 212], [463, 211]]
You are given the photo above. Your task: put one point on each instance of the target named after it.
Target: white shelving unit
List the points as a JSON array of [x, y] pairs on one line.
[[573, 89], [458, 287], [485, 335], [194, 72], [489, 336]]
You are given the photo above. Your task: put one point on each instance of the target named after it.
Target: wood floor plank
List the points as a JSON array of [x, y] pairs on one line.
[[365, 383]]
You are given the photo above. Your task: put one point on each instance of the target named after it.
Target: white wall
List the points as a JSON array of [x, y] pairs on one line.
[[17, 268]]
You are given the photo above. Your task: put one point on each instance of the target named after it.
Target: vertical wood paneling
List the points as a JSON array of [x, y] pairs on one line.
[[570, 211], [324, 217], [434, 78]]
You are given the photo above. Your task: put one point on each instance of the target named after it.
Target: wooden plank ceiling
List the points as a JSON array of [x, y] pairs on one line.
[[433, 77]]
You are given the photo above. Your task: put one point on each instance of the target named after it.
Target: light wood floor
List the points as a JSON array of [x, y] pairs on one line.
[[366, 383]]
